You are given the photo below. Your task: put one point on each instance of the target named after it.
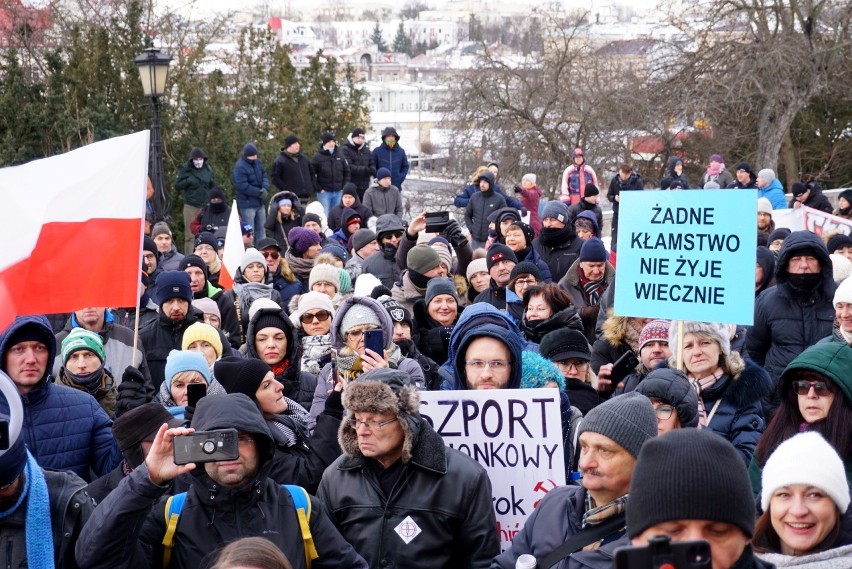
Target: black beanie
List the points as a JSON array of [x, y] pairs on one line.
[[311, 217], [240, 375], [138, 425], [149, 245], [690, 474], [193, 261], [270, 319], [13, 461]]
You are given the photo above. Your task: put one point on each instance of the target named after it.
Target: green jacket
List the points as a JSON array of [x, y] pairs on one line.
[[194, 183]]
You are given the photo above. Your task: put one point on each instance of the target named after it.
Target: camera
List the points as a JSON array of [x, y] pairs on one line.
[[660, 552], [207, 446], [437, 221]]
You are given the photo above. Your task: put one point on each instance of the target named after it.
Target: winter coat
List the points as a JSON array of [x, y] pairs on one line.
[[236, 329], [170, 260], [446, 493], [280, 229], [361, 167], [582, 206], [194, 183], [382, 267], [785, 325], [837, 558], [471, 190], [294, 173], [571, 283], [774, 192], [570, 190], [394, 159], [250, 183], [531, 199], [559, 251], [70, 509], [533, 257], [127, 528], [298, 385], [335, 215], [617, 185], [384, 200], [406, 293], [63, 428], [209, 220], [433, 338], [494, 295], [148, 311], [106, 394], [560, 513], [673, 178], [482, 205], [816, 200], [535, 330], [332, 170]]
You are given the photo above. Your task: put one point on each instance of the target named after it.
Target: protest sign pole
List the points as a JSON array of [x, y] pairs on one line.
[[679, 356]]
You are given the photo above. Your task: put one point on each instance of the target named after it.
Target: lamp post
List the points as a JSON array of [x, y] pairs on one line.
[[153, 70]]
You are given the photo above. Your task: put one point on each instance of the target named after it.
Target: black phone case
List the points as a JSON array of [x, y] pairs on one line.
[[206, 446]]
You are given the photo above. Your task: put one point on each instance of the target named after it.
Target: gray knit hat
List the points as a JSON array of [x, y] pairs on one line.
[[356, 315], [718, 332], [362, 238], [422, 259], [628, 420]]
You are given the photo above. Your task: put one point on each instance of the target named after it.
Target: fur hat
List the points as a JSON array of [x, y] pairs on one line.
[[672, 387], [381, 391], [718, 332], [199, 331], [82, 339], [302, 239], [808, 459], [325, 273]]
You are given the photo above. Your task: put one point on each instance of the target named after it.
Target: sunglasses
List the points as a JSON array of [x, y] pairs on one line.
[[273, 254], [320, 316], [821, 388]]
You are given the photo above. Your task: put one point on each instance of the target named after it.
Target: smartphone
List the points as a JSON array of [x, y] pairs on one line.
[[623, 366], [660, 552], [194, 392], [207, 446], [4, 434], [437, 221], [374, 340]]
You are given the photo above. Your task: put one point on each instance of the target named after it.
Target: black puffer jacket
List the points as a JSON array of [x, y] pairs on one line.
[[332, 170], [784, 323], [127, 529], [294, 173], [361, 165], [298, 385], [447, 494], [481, 205], [559, 248], [535, 330]]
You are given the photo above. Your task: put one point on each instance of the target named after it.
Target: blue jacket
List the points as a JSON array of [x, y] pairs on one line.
[[64, 428], [250, 180], [463, 198], [774, 192], [394, 159]]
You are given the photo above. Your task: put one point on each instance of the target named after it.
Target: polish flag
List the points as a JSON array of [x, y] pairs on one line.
[[71, 229], [234, 250]]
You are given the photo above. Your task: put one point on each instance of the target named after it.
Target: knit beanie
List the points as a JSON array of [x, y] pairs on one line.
[[344, 280], [766, 174], [843, 292], [441, 285], [398, 312], [311, 300], [252, 255], [716, 158], [246, 227], [139, 425], [310, 217], [326, 273], [591, 191], [207, 306], [335, 250], [718, 332], [477, 266], [216, 193], [160, 228], [362, 238], [179, 361], [249, 150], [327, 137], [499, 252], [798, 189], [690, 474], [357, 132], [807, 459], [840, 267], [444, 254], [290, 140], [270, 318], [173, 284], [365, 284], [564, 344], [654, 331], [196, 153], [205, 238], [149, 245], [628, 420], [82, 339], [199, 331], [745, 167], [422, 259], [525, 268], [302, 239], [672, 387], [780, 233], [555, 209], [593, 251], [837, 241], [764, 205], [194, 261], [240, 375], [356, 315], [382, 173]]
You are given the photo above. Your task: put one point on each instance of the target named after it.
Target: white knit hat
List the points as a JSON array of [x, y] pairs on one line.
[[806, 458], [718, 332], [843, 292], [841, 267], [764, 205], [309, 301], [325, 273]]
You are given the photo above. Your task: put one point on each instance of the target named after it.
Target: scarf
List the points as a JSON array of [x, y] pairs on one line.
[[420, 281], [553, 236], [592, 290], [316, 352], [37, 528], [700, 386], [596, 515], [301, 267], [247, 293], [713, 171], [389, 252], [349, 366], [845, 335], [90, 382], [293, 424]]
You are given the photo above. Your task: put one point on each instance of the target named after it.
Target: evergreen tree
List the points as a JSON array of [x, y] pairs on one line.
[[377, 40], [401, 42]]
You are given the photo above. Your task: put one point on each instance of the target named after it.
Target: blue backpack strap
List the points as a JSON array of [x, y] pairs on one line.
[[174, 505], [302, 503]]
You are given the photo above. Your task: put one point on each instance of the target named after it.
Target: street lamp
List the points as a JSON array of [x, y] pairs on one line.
[[153, 70]]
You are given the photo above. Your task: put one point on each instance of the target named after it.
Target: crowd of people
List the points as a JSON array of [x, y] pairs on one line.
[[342, 312]]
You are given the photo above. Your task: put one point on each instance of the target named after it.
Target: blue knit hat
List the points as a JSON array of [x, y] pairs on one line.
[[336, 250], [249, 150], [382, 173], [593, 251], [179, 361], [173, 284]]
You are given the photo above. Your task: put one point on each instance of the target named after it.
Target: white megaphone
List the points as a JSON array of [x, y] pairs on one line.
[[16, 410]]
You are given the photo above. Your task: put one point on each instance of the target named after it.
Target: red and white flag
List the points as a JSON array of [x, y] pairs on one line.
[[71, 229], [234, 250]]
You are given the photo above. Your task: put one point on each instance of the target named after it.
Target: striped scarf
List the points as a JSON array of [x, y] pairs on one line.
[[293, 424], [700, 386]]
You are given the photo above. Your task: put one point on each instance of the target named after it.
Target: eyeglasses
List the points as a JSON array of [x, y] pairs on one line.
[[320, 316], [664, 412], [372, 425], [578, 365], [273, 254], [525, 282], [821, 388], [355, 334], [494, 365]]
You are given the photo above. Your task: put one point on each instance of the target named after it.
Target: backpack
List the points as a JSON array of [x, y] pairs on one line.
[[301, 501]]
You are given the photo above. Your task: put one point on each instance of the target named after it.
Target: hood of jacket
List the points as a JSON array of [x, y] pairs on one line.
[[388, 222], [831, 359], [766, 260], [42, 326], [351, 143], [482, 319], [273, 207], [486, 176], [797, 241], [590, 215], [348, 213], [294, 345], [337, 339], [673, 160], [390, 131]]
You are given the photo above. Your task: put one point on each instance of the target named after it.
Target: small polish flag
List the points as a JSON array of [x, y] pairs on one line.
[[71, 229], [234, 250]]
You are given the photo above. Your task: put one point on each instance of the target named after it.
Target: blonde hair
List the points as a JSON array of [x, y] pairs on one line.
[[256, 552], [479, 171]]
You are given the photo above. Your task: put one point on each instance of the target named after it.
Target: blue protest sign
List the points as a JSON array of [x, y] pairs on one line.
[[687, 255]]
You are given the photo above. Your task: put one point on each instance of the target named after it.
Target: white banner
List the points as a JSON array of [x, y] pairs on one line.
[[822, 223], [515, 434]]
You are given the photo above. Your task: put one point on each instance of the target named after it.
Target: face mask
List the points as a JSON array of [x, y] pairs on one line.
[[805, 282], [198, 163], [390, 141]]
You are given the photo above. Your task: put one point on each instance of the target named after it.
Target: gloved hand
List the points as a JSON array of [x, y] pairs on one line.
[[334, 404], [454, 234], [524, 212], [131, 392], [589, 313], [263, 193], [517, 189]]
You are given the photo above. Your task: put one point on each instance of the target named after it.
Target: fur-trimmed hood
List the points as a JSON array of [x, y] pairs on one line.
[[618, 331]]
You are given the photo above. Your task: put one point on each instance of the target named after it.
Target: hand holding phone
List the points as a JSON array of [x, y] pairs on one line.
[[624, 365], [660, 552], [206, 446]]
